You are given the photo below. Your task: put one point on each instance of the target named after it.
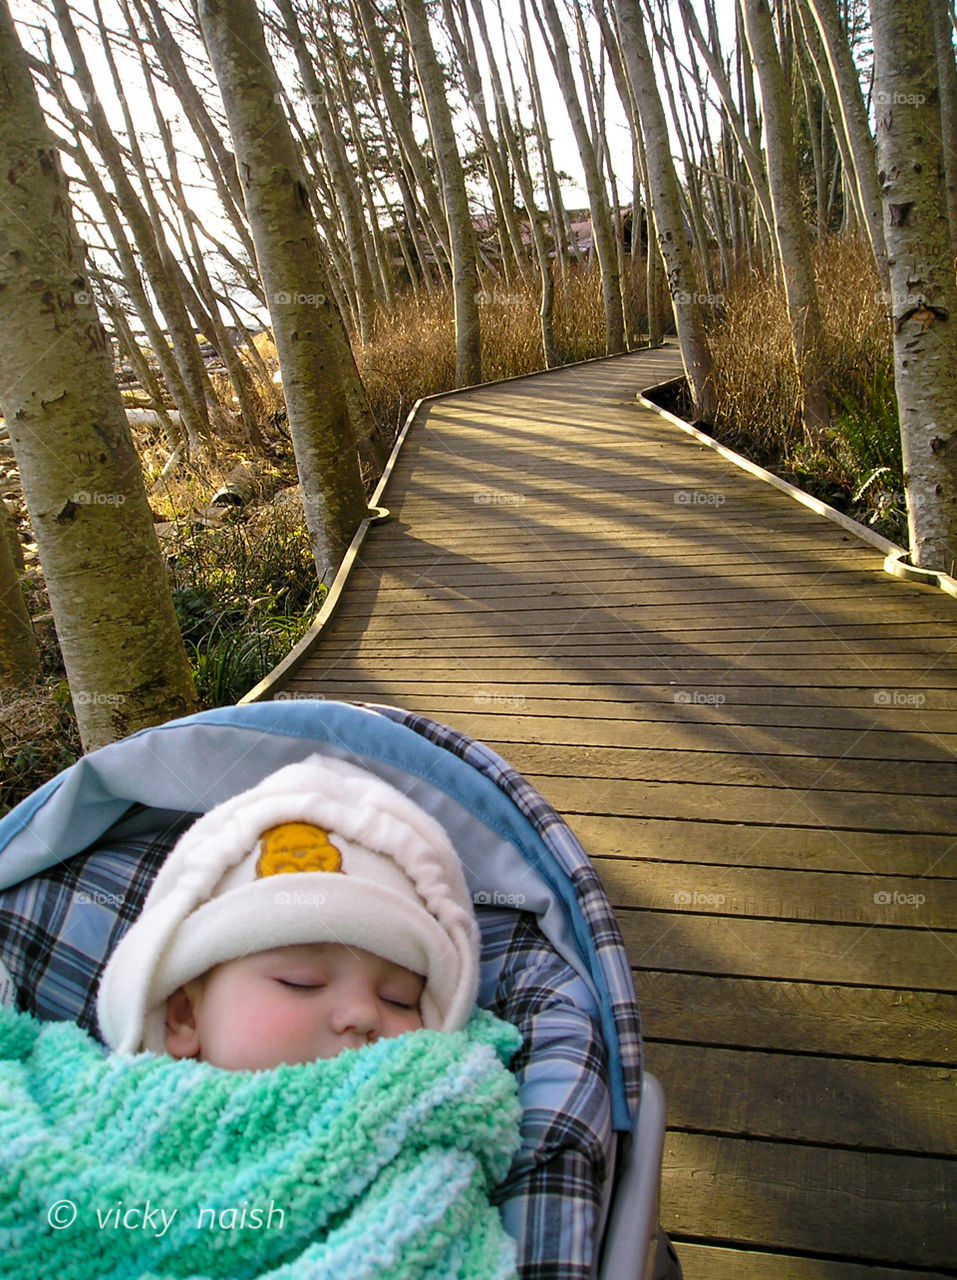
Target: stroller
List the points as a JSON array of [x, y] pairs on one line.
[[78, 856]]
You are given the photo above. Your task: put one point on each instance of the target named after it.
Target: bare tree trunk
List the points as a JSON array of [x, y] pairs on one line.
[[666, 202], [947, 77], [523, 176], [147, 379], [402, 125], [794, 249], [221, 163], [924, 294], [80, 474], [166, 359], [851, 112], [602, 238], [458, 27], [154, 254], [343, 177], [566, 246], [308, 330], [465, 283]]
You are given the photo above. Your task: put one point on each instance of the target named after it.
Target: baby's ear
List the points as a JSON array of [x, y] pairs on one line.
[[182, 1036]]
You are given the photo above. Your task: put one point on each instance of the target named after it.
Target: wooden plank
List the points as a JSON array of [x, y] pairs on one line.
[[836, 810], [739, 767], [730, 706], [660, 636], [711, 1262], [784, 950], [505, 731], [832, 670], [719, 843], [861, 898], [643, 618], [865, 1206], [412, 553], [877, 1106], [798, 1017]]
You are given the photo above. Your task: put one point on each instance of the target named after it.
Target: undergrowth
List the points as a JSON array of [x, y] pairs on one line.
[[857, 465]]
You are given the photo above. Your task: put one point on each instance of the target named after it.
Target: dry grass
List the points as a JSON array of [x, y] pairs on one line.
[[757, 386], [413, 351], [38, 738]]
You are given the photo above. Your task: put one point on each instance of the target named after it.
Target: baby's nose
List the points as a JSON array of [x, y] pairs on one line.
[[358, 1013]]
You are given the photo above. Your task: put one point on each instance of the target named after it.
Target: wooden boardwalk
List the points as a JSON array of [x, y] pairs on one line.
[[752, 728]]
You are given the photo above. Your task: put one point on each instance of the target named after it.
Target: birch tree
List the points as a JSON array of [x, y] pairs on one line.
[[313, 351], [666, 203], [80, 474], [794, 249], [602, 236], [851, 112], [923, 291], [468, 345]]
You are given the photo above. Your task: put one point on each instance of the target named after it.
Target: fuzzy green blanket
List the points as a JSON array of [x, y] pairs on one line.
[[375, 1163]]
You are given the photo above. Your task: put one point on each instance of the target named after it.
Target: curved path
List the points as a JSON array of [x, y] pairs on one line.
[[752, 728]]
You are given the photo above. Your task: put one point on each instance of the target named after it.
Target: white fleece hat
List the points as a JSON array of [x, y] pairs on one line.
[[320, 851]]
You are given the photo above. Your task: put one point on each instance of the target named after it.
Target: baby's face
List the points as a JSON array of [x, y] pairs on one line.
[[292, 1004]]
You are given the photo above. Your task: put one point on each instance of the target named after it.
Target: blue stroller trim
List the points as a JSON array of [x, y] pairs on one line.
[[163, 768]]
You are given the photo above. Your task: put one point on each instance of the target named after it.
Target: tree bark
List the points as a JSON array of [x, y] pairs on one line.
[[343, 177], [947, 77], [465, 282], [917, 232], [602, 238], [794, 247], [80, 474], [410, 149], [307, 328], [666, 203], [517, 154], [852, 117], [153, 252]]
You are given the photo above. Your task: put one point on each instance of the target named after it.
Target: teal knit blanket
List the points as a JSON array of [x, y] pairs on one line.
[[377, 1163]]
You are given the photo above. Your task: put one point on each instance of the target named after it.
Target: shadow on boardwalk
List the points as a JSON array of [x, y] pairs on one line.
[[752, 730]]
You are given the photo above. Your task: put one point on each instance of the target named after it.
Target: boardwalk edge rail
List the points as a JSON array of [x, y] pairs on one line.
[[896, 559]]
